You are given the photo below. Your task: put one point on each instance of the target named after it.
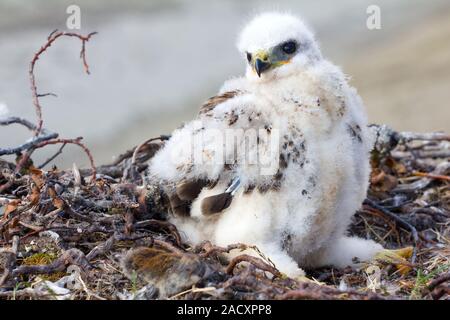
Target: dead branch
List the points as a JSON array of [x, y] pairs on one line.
[[11, 260], [257, 262], [161, 224], [400, 221], [77, 142], [102, 248], [436, 136], [440, 291], [26, 293], [431, 176], [422, 183], [312, 291], [52, 38], [139, 147], [53, 157], [44, 136], [131, 169], [422, 154], [132, 153], [13, 120], [438, 281], [129, 222], [69, 257]]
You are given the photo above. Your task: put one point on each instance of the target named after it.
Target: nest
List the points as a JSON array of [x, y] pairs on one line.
[[63, 233]]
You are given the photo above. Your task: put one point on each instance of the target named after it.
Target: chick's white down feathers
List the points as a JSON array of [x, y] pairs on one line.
[[297, 215]]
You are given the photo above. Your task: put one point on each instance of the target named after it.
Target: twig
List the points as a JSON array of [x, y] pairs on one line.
[[13, 215], [12, 120], [26, 146], [210, 249], [420, 154], [437, 136], [129, 154], [313, 291], [439, 292], [192, 290], [44, 136], [431, 176], [27, 292], [129, 222], [138, 148], [401, 222], [102, 248], [257, 262], [88, 292], [131, 169], [51, 38], [71, 256], [41, 95], [23, 160], [161, 224], [438, 281], [11, 260], [53, 157], [76, 141], [422, 183]]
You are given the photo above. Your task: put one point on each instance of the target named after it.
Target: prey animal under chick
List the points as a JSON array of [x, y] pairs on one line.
[[295, 110]]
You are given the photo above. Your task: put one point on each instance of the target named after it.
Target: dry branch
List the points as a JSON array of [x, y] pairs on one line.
[[438, 281], [77, 142], [11, 260], [400, 221], [52, 38], [70, 257], [257, 262], [43, 137]]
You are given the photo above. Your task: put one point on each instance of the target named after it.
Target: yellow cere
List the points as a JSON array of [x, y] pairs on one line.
[[263, 55]]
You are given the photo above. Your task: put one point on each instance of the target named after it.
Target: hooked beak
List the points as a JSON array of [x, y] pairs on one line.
[[262, 63]]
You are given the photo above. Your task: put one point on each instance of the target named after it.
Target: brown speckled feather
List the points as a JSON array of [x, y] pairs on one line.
[[187, 191], [179, 207], [190, 189], [217, 203], [212, 102]]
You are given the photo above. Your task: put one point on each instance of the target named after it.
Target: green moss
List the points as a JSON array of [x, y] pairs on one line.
[[43, 258], [40, 258]]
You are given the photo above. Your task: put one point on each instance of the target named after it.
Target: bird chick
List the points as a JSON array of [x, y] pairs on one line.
[[299, 150]]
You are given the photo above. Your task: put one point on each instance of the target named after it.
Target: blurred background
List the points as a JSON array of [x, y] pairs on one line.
[[154, 62]]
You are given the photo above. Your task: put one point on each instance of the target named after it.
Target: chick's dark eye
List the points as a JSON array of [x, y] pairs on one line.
[[249, 57], [289, 47]]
